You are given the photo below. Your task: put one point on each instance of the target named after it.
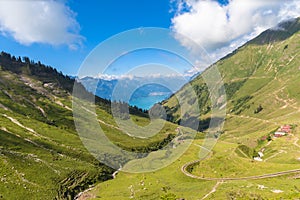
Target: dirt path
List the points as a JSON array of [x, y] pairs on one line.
[[246, 156], [186, 166], [286, 102], [119, 129], [5, 108], [184, 170], [19, 124], [35, 134], [249, 78], [276, 154], [84, 195], [114, 175], [203, 147], [254, 118], [214, 189], [296, 141]]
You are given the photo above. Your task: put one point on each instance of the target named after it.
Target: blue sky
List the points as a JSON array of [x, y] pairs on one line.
[[98, 21], [62, 33]]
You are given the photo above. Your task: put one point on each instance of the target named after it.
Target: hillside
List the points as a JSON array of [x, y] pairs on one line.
[[41, 155], [261, 80], [261, 74], [249, 161]]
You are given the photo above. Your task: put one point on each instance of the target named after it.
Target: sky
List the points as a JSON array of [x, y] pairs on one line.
[[62, 33]]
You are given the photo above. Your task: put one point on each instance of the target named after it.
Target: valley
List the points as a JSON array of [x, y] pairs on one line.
[[43, 156]]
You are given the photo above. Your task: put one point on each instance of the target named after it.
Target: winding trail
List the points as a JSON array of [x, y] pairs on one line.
[[121, 130], [214, 189], [84, 195], [276, 154], [254, 118], [114, 175], [249, 78], [271, 175], [296, 141], [35, 134]]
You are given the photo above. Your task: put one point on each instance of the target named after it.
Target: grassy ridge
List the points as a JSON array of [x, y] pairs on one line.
[[41, 155], [39, 145]]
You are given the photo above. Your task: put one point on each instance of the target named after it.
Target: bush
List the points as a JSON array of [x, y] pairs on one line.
[[249, 152], [241, 104], [258, 109], [169, 196]]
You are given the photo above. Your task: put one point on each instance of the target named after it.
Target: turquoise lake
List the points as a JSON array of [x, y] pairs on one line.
[[148, 101]]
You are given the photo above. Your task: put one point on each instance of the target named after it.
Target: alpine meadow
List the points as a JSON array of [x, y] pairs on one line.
[[50, 117]]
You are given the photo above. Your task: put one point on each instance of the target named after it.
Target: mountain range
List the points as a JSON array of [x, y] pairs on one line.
[[151, 90]]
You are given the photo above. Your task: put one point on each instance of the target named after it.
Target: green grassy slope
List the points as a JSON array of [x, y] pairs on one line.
[[261, 82], [172, 183], [262, 85], [258, 73], [41, 155], [39, 147]]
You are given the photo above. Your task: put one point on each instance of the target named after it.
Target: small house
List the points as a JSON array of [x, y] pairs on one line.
[[286, 128], [279, 134]]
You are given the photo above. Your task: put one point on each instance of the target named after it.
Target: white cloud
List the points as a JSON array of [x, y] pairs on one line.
[[114, 77], [49, 22], [134, 76], [221, 29]]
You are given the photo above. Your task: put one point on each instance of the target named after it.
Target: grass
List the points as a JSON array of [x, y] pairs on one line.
[[156, 184], [41, 154], [171, 180], [44, 158], [52, 157], [256, 75]]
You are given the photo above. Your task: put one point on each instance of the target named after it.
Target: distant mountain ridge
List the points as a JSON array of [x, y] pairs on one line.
[[105, 88]]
